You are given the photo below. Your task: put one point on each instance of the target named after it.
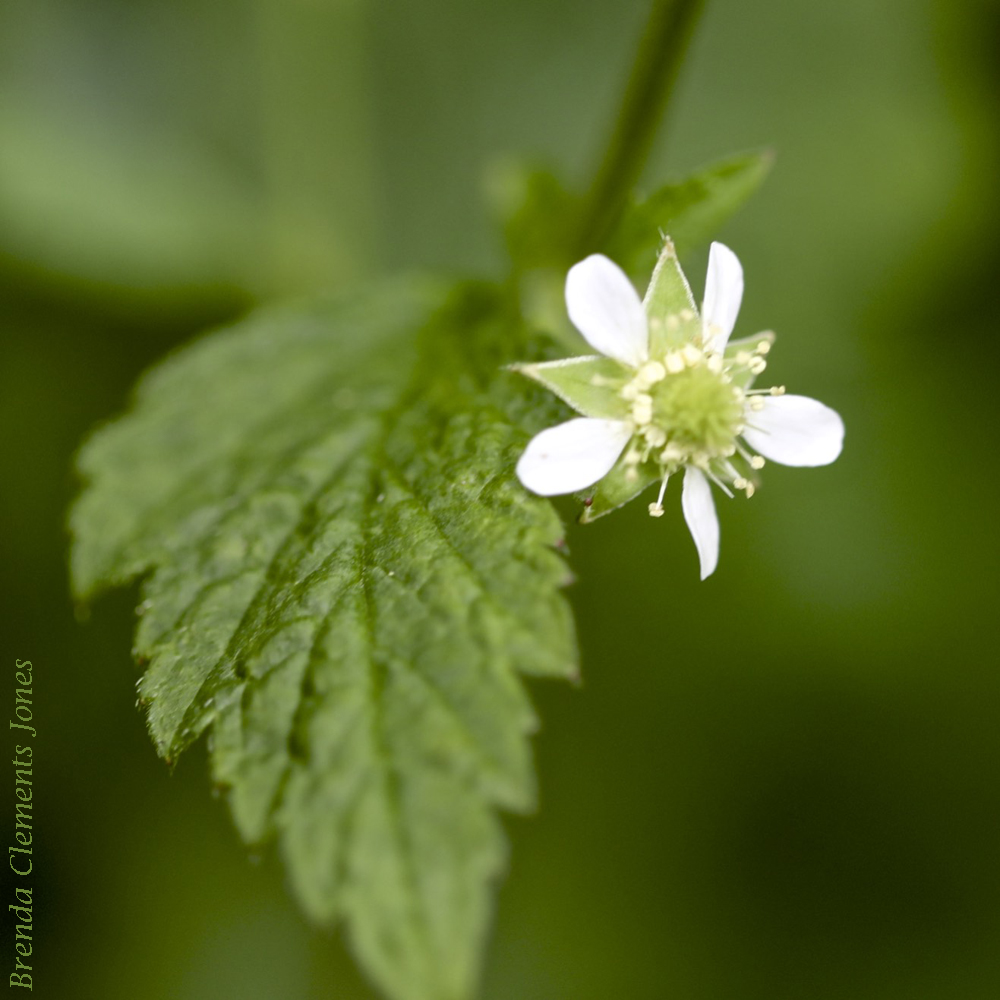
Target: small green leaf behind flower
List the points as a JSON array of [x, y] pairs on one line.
[[691, 210]]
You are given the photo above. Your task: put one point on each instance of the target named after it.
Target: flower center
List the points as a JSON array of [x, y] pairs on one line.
[[691, 408], [697, 410], [686, 409]]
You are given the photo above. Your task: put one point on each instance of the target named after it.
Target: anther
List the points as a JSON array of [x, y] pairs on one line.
[[642, 409], [691, 354], [652, 371], [743, 357], [751, 489], [757, 365], [757, 404], [714, 363], [757, 462], [763, 347], [674, 363], [777, 390], [672, 453], [656, 437]]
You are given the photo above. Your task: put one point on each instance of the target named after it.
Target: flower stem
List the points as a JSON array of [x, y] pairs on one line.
[[654, 72]]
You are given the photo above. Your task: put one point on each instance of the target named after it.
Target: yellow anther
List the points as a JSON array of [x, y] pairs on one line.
[[763, 347], [743, 357], [751, 489], [757, 365], [633, 457], [631, 390], [777, 390], [714, 363], [757, 462], [642, 409], [655, 437], [674, 362], [672, 453], [652, 371], [757, 404], [691, 354], [656, 510], [631, 474]]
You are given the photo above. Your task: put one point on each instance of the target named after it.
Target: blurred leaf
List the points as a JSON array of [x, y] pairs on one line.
[[343, 580], [689, 211], [538, 213], [123, 206]]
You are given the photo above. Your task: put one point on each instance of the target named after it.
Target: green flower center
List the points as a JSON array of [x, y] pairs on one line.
[[697, 410]]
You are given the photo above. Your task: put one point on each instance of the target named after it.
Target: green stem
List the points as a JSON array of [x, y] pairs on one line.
[[654, 73]]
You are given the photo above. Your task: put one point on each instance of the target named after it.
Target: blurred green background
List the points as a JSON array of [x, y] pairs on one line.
[[781, 783]]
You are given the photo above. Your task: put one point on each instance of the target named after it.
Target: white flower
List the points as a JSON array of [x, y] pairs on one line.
[[669, 392]]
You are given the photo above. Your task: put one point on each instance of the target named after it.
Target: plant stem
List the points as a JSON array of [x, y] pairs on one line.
[[654, 72]]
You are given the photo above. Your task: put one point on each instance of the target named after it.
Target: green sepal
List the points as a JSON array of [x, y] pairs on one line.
[[616, 488], [573, 381], [745, 380], [673, 316]]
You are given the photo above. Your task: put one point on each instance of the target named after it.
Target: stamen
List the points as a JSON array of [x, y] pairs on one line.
[[642, 409], [656, 437], [757, 462], [757, 365], [672, 453], [674, 362], [652, 371], [777, 390], [757, 404], [691, 354], [718, 482], [656, 509], [763, 347], [714, 364]]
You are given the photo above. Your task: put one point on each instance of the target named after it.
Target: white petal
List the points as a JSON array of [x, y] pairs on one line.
[[607, 310], [573, 455], [723, 295], [795, 430], [699, 512]]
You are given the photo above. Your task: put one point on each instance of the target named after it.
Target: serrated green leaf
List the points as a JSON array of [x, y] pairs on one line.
[[690, 211], [342, 582]]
